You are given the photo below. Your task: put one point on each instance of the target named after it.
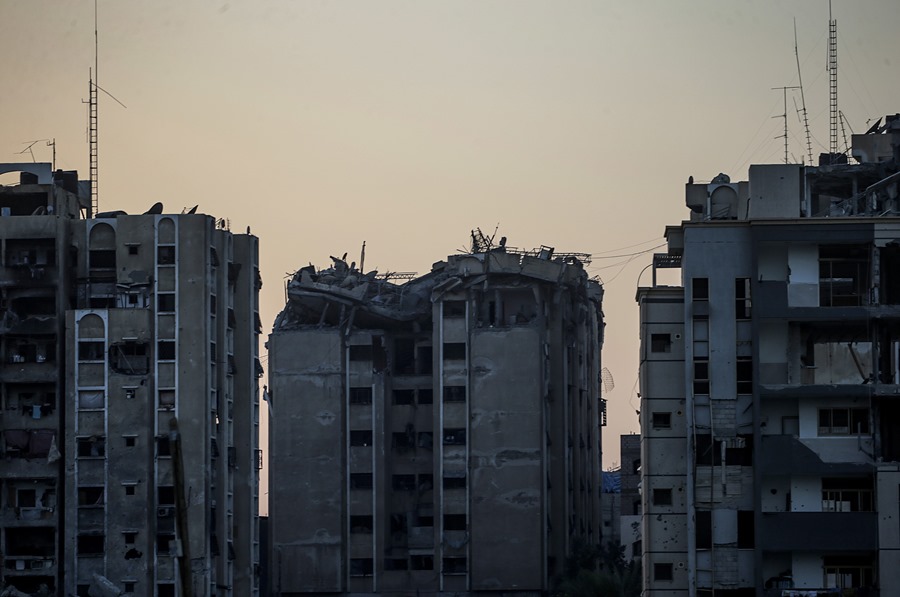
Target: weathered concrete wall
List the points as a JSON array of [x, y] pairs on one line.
[[506, 460], [307, 456]]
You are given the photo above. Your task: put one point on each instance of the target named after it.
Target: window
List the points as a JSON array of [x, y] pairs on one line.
[[745, 532], [742, 298], [701, 376], [426, 482], [419, 562], [165, 589], [455, 482], [843, 421], [130, 537], [662, 420], [361, 352], [361, 567], [132, 248], [91, 399], [455, 437], [165, 302], [849, 572], [90, 545], [454, 522], [91, 447], [360, 480], [361, 524], [404, 397], [163, 445], [128, 586], [662, 497], [90, 496], [404, 356], [851, 494], [396, 564], [426, 396], [130, 441], [700, 289], [91, 350], [843, 275], [129, 489], [663, 572], [454, 565], [165, 350], [129, 358], [704, 529], [707, 451], [165, 255], [454, 393], [165, 543], [426, 440], [361, 438], [403, 440], [165, 495], [744, 367], [454, 351], [26, 498], [454, 309], [660, 342], [167, 399], [361, 395]]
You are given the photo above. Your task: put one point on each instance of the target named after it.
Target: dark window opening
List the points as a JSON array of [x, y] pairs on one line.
[[165, 302], [663, 572], [455, 437], [102, 259], [165, 495], [704, 529], [361, 481], [701, 376], [91, 447], [454, 351], [660, 342], [662, 420], [453, 309], [843, 421], [165, 350], [662, 497], [404, 397], [424, 365], [396, 564], [742, 298], [361, 523], [361, 567], [129, 358], [361, 438], [745, 534], [91, 496], [165, 590], [426, 440], [426, 482], [707, 451], [455, 565], [404, 356], [90, 545], [454, 522], [426, 396], [700, 289], [454, 393], [165, 255], [403, 440], [361, 395], [455, 482], [165, 543], [91, 350], [744, 368], [163, 446], [403, 482], [843, 276], [419, 562], [360, 352]]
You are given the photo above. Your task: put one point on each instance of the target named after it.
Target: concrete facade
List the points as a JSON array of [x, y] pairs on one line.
[[443, 435], [768, 379], [115, 327]]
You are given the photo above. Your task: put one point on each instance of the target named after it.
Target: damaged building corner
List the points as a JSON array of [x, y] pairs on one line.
[[442, 431]]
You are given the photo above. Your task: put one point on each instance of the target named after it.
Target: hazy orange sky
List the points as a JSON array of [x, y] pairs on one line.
[[405, 124]]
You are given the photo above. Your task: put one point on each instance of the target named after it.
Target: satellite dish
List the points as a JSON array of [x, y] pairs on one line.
[[607, 379]]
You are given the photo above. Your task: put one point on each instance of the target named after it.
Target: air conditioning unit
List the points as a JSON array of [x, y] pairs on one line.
[[165, 512]]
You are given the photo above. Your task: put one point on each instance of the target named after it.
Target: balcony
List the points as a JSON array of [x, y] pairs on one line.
[[786, 455], [818, 531]]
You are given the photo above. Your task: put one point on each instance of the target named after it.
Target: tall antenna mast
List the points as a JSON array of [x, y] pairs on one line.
[[92, 134], [832, 82], [784, 91], [802, 98]]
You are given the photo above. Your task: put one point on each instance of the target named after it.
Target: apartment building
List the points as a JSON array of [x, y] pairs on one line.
[[769, 380], [436, 436], [115, 327]]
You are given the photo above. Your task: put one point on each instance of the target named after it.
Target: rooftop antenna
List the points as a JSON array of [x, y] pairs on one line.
[[802, 97], [832, 83], [784, 91], [30, 144]]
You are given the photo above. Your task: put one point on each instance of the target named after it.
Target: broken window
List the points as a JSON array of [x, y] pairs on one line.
[[163, 446], [850, 494], [742, 298], [404, 356], [843, 421], [361, 395], [700, 289], [165, 495], [662, 420], [165, 543], [102, 259], [165, 589], [660, 342], [707, 451], [843, 275], [130, 357], [361, 523], [454, 393], [746, 537]]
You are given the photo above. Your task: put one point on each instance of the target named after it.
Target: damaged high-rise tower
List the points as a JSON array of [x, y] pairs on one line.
[[441, 435]]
